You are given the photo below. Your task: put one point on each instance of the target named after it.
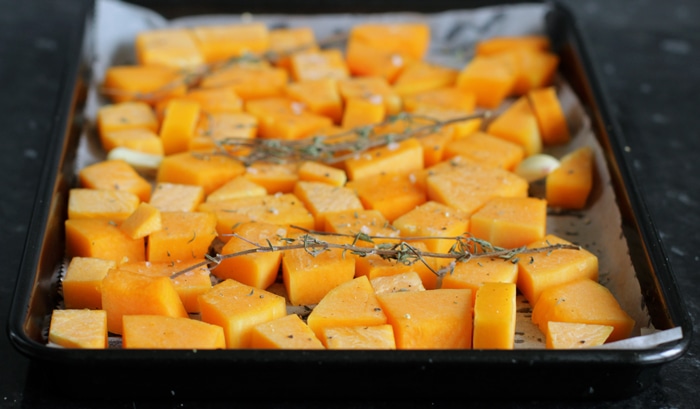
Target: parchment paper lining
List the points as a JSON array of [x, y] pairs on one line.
[[453, 35]]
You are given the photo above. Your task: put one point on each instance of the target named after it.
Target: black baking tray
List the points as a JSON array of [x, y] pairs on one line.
[[415, 374]]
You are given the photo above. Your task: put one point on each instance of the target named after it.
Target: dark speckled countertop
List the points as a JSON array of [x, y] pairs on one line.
[[646, 52]]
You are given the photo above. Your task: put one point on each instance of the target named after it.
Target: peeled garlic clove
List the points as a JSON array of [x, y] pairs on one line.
[[144, 163], [536, 167]]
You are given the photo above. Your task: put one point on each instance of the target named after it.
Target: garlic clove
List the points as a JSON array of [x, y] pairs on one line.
[[536, 167]]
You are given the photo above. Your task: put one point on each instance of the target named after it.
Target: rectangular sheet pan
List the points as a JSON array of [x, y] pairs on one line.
[[603, 373]]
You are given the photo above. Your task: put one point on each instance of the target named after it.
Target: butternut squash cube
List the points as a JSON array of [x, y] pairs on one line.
[[410, 39], [238, 308], [274, 177], [434, 145], [177, 128], [188, 285], [435, 220], [288, 332], [539, 271], [359, 337], [409, 281], [510, 222], [142, 222], [571, 183], [171, 47], [101, 238], [147, 84], [372, 88], [448, 98], [184, 236], [494, 316], [459, 129], [257, 270], [238, 187], [495, 45], [215, 130], [318, 172], [207, 171], [487, 150], [284, 118], [176, 197], [283, 210], [82, 284], [322, 199], [401, 157], [364, 60], [536, 69], [571, 335], [160, 332], [250, 80], [308, 276], [138, 139], [433, 319], [366, 222], [216, 100], [472, 274], [114, 205], [550, 116], [391, 194], [361, 112], [126, 115], [79, 328], [518, 124], [221, 42], [467, 185], [115, 175], [489, 78], [284, 42], [420, 76], [317, 64], [319, 96], [582, 301], [128, 293], [374, 266]]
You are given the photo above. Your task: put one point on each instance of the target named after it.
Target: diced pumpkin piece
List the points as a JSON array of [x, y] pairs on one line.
[[138, 139], [250, 80], [238, 308], [582, 301], [372, 88], [435, 220], [101, 238], [128, 293], [283, 210], [510, 222], [176, 197], [409, 39], [274, 177], [467, 185], [391, 194], [489, 78], [142, 222], [487, 150], [126, 115], [160, 332], [284, 118], [518, 124], [349, 304], [364, 60], [359, 337], [402, 157], [423, 76], [495, 45], [320, 96], [189, 280], [82, 283], [449, 98], [536, 69], [236, 188], [214, 131], [539, 271], [362, 112], [362, 222], [284, 42], [374, 266], [409, 281], [318, 172], [318, 64], [257, 270], [473, 273], [572, 335], [207, 171], [221, 42], [216, 100], [433, 319], [115, 205], [550, 116], [322, 199], [571, 183], [115, 175], [451, 119], [142, 83], [184, 236], [177, 128], [79, 328], [434, 145], [309, 276], [288, 332], [494, 316], [171, 47]]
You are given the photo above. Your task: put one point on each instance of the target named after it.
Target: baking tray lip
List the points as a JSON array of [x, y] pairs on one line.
[[42, 352]]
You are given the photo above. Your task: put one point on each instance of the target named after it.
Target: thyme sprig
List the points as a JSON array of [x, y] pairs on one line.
[[465, 248]]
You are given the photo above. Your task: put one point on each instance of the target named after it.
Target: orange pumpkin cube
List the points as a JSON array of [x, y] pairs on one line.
[[408, 281], [373, 88], [318, 172], [518, 124], [238, 308], [494, 316], [177, 128], [218, 43], [82, 283], [473, 273], [236, 188], [216, 100], [115, 175], [487, 150], [392, 194], [207, 171], [319, 96], [102, 238], [569, 185], [176, 197], [550, 116], [536, 69], [160, 332], [274, 177], [572, 335], [409, 39], [366, 221], [374, 266], [499, 44], [288, 332], [284, 42], [361, 112], [435, 220], [215, 130], [142, 221], [510, 222], [489, 78], [397, 157], [364, 60], [147, 84], [124, 116], [79, 328], [138, 139], [284, 118], [359, 337], [421, 76], [184, 236], [322, 199], [249, 80], [171, 47], [317, 64], [114, 205]]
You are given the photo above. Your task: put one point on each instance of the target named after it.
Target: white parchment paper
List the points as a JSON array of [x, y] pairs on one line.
[[453, 35]]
